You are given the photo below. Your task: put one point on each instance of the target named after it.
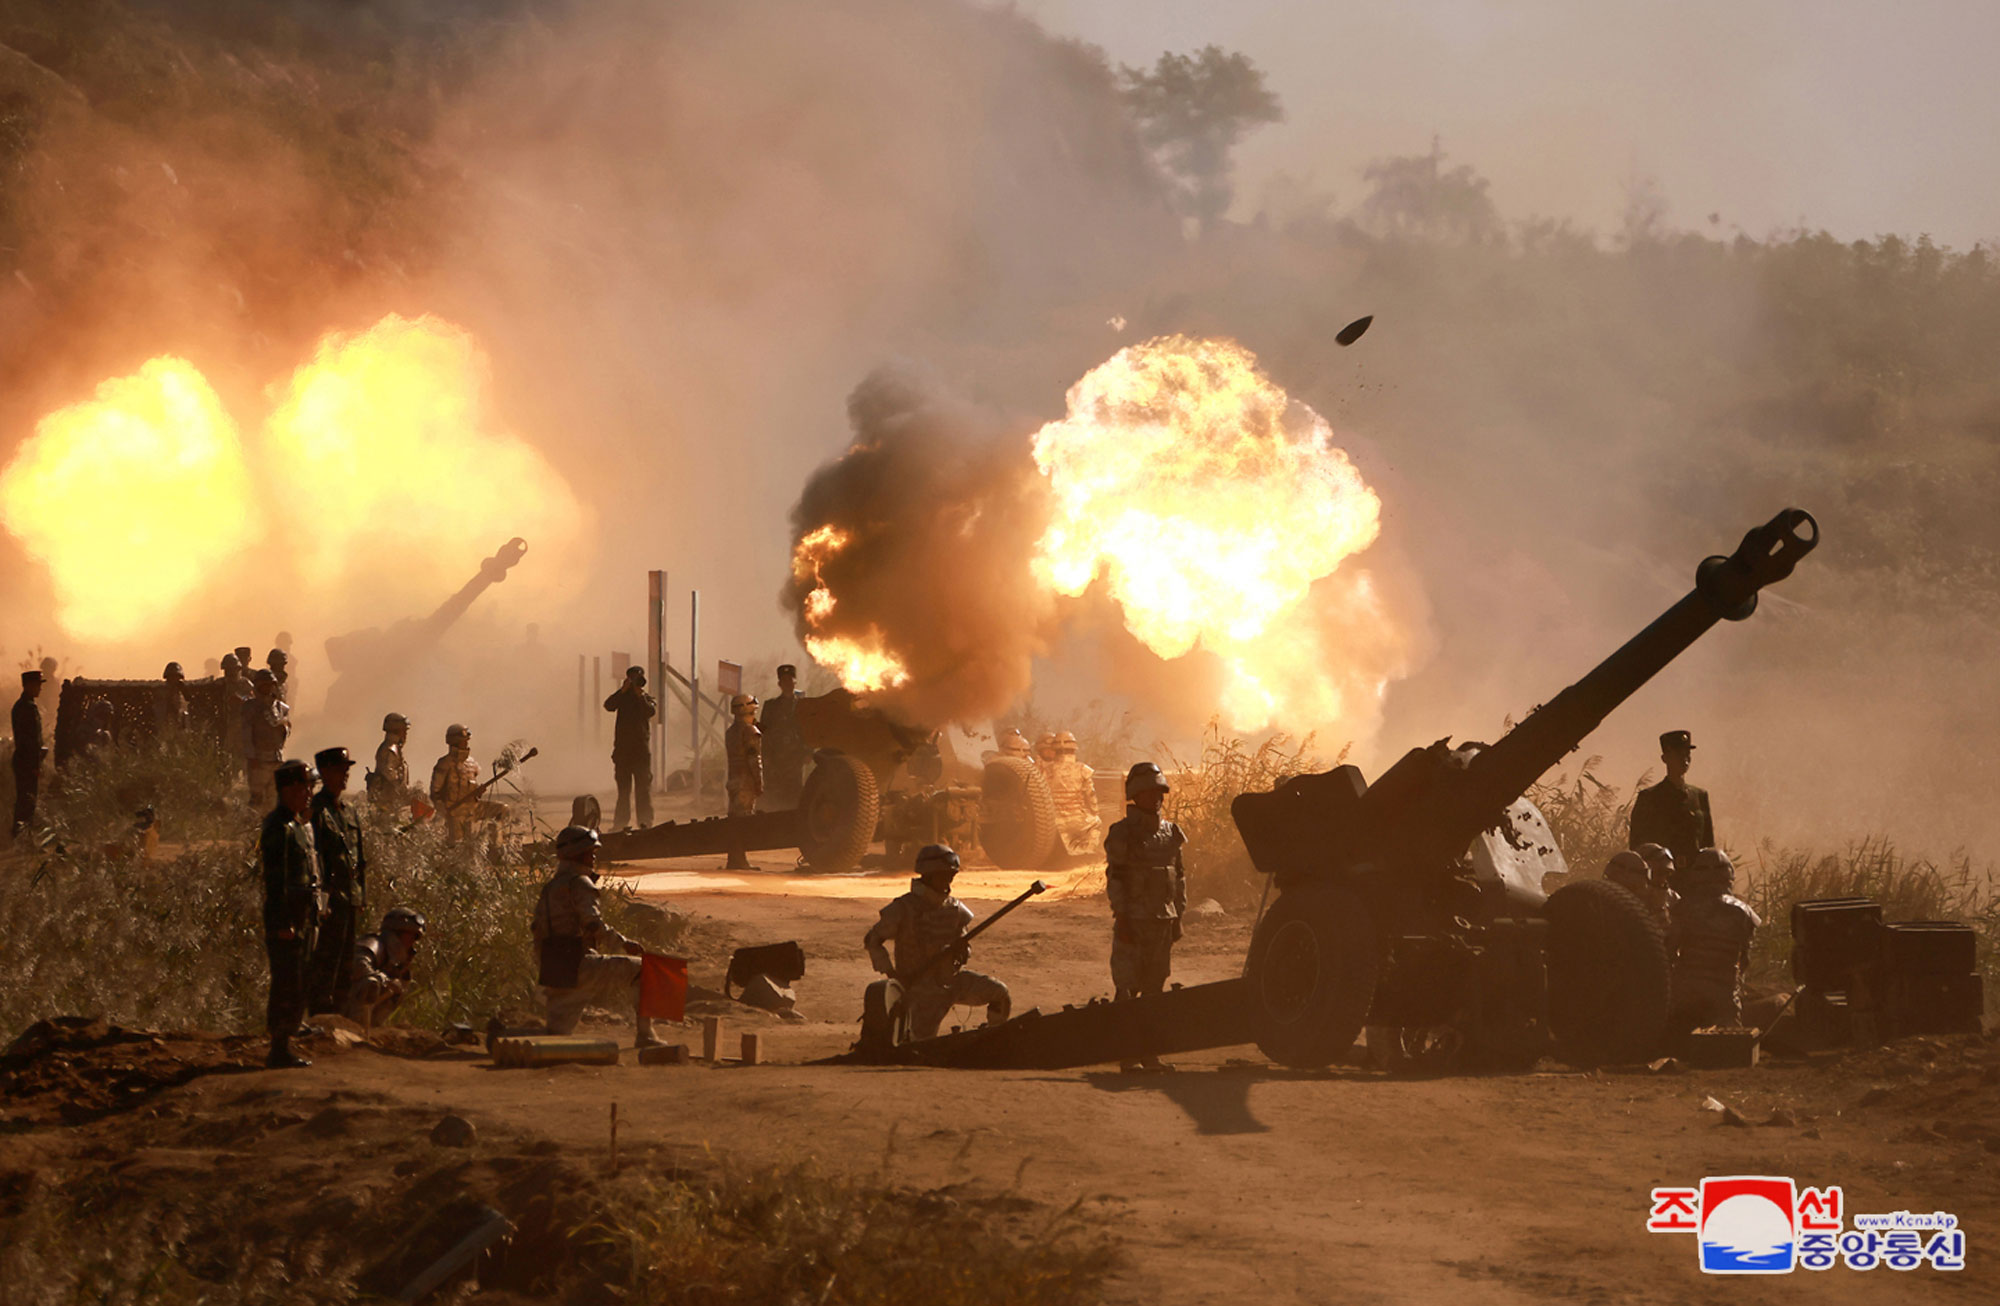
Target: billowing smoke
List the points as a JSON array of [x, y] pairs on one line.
[[911, 574]]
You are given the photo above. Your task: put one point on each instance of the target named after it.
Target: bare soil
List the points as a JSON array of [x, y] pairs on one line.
[[1228, 1180]]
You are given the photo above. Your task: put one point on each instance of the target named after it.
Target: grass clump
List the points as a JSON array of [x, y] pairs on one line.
[[1218, 865]]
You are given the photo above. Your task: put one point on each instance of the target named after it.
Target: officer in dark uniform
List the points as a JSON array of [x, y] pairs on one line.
[[292, 906], [30, 747], [343, 877], [1674, 813], [632, 747], [784, 744]]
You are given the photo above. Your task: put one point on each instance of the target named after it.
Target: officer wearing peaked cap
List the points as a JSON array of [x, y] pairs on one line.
[[30, 747], [293, 906], [1674, 813], [343, 875]]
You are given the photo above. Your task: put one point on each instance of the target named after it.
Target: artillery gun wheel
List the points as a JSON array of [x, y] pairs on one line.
[[840, 804], [1017, 814], [1607, 968], [1313, 967]]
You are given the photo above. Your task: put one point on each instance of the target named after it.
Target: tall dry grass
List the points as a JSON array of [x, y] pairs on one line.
[[1218, 865]]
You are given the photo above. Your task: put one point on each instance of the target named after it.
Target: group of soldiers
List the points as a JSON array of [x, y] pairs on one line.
[[1674, 868]]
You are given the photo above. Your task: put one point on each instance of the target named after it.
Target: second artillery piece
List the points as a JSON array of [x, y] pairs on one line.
[[1413, 906]]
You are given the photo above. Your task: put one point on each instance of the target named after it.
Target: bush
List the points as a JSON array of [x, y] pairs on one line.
[[1218, 865]]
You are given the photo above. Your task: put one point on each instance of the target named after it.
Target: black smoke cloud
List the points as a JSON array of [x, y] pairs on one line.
[[942, 506]]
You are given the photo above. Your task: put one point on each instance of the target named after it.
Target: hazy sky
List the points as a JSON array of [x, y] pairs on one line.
[[1850, 115]]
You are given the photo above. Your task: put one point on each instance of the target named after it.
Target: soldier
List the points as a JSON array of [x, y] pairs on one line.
[[381, 968], [454, 779], [279, 662], [237, 693], [1629, 872], [1073, 786], [1045, 750], [745, 745], [1673, 813], [923, 924], [1660, 877], [30, 747], [1147, 885], [343, 878], [1709, 942], [582, 959], [170, 707], [292, 907], [632, 747], [267, 724], [1015, 744], [98, 720], [784, 744], [389, 783]]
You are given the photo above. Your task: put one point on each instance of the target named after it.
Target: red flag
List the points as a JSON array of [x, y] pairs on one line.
[[663, 987]]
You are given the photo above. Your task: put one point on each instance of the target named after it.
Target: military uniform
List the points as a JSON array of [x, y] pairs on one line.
[[583, 961], [1709, 940], [267, 724], [453, 780], [919, 925], [389, 785], [1673, 814], [632, 752], [1073, 786], [170, 710], [784, 752], [343, 867], [30, 747], [292, 902], [745, 744], [1147, 884], [378, 980]]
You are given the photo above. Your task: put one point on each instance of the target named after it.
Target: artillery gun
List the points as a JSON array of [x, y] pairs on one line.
[[374, 661], [875, 779], [1413, 905]]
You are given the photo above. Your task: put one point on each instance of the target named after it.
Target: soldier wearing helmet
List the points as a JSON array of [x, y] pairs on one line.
[[294, 906], [381, 967], [1673, 813], [267, 724], [927, 975], [745, 745], [1015, 744], [632, 747], [1045, 749], [785, 753], [343, 877], [1709, 942], [1147, 884], [170, 705], [582, 960], [389, 783], [237, 691], [1073, 787], [454, 780], [279, 663], [1660, 876]]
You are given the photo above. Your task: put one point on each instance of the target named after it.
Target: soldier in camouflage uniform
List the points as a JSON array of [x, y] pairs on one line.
[[389, 783], [293, 907], [267, 724], [343, 877], [1660, 877], [744, 743], [1673, 813], [454, 779], [1073, 786], [237, 693], [170, 706], [1015, 744], [921, 924], [583, 960], [1147, 885], [1709, 941], [381, 968]]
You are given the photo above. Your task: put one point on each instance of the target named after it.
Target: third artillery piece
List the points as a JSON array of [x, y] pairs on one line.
[[1413, 906]]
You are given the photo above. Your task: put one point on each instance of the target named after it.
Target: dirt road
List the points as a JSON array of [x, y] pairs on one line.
[[1232, 1181]]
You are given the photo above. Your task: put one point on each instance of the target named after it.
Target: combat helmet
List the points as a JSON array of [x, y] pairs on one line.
[[1628, 870], [742, 703], [574, 839], [1145, 777], [1711, 870], [936, 859], [395, 721], [457, 736], [402, 918]]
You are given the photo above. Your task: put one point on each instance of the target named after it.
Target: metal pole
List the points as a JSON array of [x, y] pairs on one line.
[[581, 699], [694, 689], [656, 669], [597, 696]]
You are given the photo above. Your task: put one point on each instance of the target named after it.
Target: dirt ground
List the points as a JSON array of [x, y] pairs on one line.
[[1228, 1180]]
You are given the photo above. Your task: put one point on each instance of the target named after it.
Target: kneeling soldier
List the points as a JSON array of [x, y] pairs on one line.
[[381, 972], [574, 942], [927, 976], [1709, 942]]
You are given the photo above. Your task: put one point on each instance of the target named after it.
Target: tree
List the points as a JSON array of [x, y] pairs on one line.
[[1415, 195], [1192, 109]]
